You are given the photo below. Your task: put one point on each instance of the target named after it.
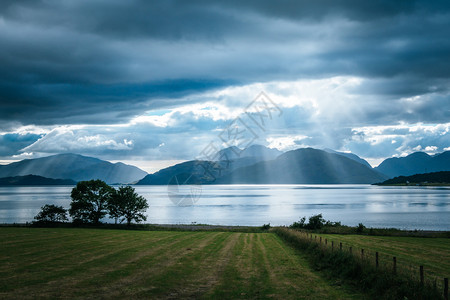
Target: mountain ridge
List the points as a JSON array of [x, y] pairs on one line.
[[74, 166], [415, 163], [305, 166]]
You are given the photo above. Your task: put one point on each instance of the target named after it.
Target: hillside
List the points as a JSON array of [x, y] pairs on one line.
[[415, 163], [34, 180], [308, 166], [75, 167]]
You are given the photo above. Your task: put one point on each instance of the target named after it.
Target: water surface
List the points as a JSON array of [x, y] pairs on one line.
[[426, 208]]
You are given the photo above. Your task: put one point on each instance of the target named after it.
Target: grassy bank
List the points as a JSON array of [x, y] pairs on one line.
[[332, 254], [410, 252], [93, 263]]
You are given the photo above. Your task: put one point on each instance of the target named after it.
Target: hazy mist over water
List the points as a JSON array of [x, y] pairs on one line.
[[426, 208]]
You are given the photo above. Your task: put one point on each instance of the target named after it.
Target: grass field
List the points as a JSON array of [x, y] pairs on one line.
[[432, 253], [92, 263]]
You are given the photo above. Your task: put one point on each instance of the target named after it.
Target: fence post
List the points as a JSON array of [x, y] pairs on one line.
[[320, 239], [446, 288], [376, 259], [421, 275], [394, 259], [350, 249], [326, 242], [362, 254], [340, 246], [332, 245]]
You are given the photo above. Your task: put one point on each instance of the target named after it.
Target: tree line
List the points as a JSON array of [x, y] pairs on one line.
[[94, 199]]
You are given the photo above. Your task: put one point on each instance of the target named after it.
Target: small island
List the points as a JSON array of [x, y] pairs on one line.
[[426, 179]]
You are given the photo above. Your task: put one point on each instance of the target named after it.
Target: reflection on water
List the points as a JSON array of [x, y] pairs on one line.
[[425, 208]]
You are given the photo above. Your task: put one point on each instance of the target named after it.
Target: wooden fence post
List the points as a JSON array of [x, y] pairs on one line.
[[362, 254], [332, 245], [446, 288], [394, 260], [421, 275], [376, 259], [326, 242], [340, 246], [350, 249], [320, 239]]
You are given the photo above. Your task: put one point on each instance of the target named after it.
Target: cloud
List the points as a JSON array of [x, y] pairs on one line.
[[160, 80], [96, 62], [321, 113]]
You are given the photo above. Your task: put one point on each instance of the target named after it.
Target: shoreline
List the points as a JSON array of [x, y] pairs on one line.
[[346, 230]]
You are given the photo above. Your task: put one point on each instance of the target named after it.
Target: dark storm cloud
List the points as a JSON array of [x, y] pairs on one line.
[[10, 144], [104, 61]]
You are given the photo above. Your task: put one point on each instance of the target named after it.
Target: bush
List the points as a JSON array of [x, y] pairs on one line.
[[360, 228], [314, 222], [265, 227]]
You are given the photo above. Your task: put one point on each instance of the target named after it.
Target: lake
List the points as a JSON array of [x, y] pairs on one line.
[[426, 208]]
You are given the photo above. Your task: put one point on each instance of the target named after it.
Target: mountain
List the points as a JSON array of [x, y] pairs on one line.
[[308, 166], [75, 167], [434, 178], [255, 151], [196, 172], [415, 163], [351, 156], [190, 172], [205, 172], [34, 180]]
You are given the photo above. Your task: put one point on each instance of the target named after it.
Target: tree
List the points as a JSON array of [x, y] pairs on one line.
[[51, 214], [89, 201], [125, 203]]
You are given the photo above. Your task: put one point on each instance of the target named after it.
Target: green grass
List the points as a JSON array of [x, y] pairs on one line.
[[411, 252], [360, 270], [93, 263]]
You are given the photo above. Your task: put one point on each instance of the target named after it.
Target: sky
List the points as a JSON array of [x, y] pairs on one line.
[[153, 83]]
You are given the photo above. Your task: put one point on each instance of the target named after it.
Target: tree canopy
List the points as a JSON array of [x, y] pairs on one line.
[[126, 205], [90, 201], [51, 214]]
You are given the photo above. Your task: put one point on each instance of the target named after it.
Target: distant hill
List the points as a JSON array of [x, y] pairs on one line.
[[351, 156], [415, 163], [75, 167], [307, 166], [434, 178], [34, 180]]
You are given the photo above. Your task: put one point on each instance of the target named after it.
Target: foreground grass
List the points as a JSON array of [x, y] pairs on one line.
[[411, 252], [90, 263]]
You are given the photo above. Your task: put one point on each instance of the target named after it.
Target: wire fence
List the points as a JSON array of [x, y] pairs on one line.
[[382, 262]]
